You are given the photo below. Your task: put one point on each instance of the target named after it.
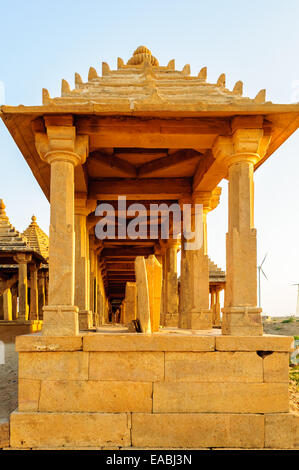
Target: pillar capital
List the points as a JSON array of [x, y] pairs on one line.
[[173, 243], [84, 206], [95, 244], [187, 199], [34, 266], [60, 143], [22, 258], [248, 142], [209, 199]]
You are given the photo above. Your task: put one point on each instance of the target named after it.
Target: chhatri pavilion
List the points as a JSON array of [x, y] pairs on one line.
[[152, 134], [23, 277]]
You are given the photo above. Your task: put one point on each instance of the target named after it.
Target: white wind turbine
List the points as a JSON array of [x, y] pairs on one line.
[[260, 269]]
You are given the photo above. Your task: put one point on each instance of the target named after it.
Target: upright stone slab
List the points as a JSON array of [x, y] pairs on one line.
[[130, 307], [154, 280], [143, 304]]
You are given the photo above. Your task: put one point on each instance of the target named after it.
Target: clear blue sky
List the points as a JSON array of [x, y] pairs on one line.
[[254, 41]]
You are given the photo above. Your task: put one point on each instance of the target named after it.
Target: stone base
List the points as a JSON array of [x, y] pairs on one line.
[[60, 320], [200, 320], [130, 326], [4, 433], [96, 320], [86, 320], [9, 330], [147, 430], [242, 321], [171, 319], [165, 390]]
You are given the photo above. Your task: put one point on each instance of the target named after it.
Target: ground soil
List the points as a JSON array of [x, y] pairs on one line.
[[278, 326]]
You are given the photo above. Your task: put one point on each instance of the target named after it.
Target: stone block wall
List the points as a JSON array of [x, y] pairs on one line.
[[148, 391]]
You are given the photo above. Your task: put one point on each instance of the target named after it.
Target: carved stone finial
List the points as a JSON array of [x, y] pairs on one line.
[[221, 80], [186, 70], [120, 63], [2, 210], [78, 79], [33, 220], [140, 55], [171, 65], [238, 88], [92, 74], [65, 87], [203, 73], [46, 96], [260, 97], [105, 68]]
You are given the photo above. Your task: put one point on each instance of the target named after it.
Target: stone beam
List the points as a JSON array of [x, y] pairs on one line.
[[180, 157], [111, 161], [152, 133], [151, 188]]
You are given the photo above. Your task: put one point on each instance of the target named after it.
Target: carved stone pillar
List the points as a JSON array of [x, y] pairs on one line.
[[217, 320], [14, 301], [22, 259], [213, 303], [194, 289], [82, 270], [1, 307], [184, 295], [170, 285], [97, 317], [41, 293], [7, 305], [240, 314], [33, 312], [100, 320], [92, 277], [63, 151]]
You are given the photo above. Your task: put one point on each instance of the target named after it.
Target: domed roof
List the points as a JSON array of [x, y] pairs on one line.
[[10, 238], [142, 82], [141, 55], [37, 239]]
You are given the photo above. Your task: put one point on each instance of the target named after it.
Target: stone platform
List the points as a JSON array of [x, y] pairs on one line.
[[171, 389], [9, 330]]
